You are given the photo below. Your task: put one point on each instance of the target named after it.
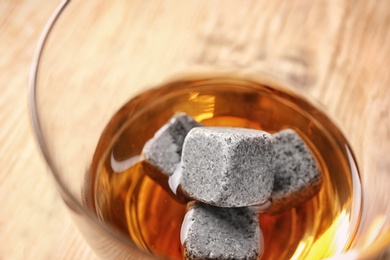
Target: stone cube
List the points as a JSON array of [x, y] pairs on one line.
[[165, 148], [210, 232], [227, 167], [297, 176]]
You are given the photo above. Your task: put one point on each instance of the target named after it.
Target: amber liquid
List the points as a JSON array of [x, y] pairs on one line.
[[125, 195]]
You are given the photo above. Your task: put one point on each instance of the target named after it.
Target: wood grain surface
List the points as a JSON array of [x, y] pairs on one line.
[[34, 223], [340, 56]]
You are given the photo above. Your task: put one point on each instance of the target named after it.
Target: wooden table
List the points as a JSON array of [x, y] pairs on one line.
[[34, 223], [354, 39]]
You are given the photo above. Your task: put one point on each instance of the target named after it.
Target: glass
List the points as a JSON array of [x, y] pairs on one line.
[[94, 58]]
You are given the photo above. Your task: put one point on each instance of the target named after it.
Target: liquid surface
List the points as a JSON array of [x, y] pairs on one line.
[[128, 194]]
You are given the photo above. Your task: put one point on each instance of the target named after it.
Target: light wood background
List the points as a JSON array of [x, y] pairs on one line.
[[352, 66], [34, 223]]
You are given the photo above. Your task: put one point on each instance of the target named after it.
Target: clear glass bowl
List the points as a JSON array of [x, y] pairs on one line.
[[92, 58]]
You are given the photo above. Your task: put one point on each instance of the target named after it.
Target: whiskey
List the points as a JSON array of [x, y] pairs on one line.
[[125, 195]]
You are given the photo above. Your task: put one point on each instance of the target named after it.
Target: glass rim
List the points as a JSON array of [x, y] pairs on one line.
[[65, 192]]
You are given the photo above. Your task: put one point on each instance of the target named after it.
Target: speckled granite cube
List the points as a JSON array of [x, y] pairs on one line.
[[221, 233], [227, 167], [297, 176], [164, 149]]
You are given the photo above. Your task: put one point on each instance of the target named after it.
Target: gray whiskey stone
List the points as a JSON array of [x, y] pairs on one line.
[[164, 149], [297, 176], [227, 167], [210, 232]]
